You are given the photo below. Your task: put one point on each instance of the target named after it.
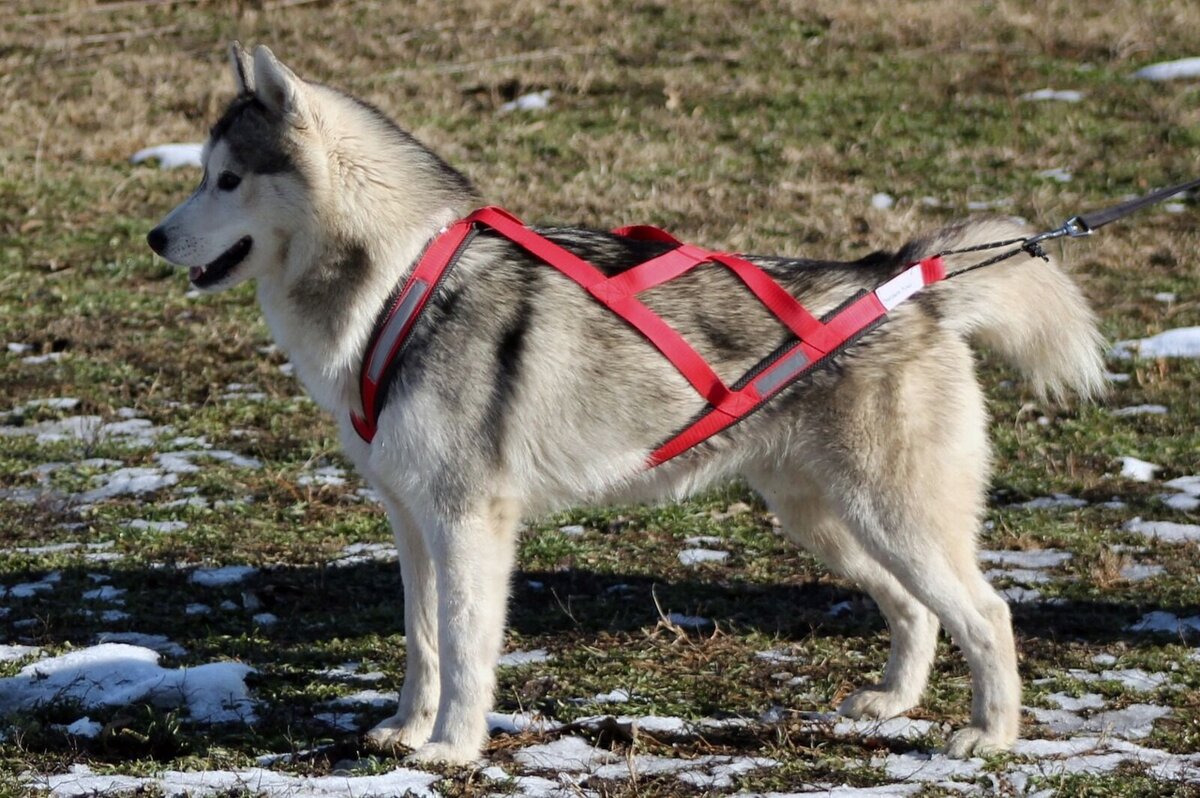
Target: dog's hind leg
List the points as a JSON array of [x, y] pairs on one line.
[[412, 724], [473, 557], [809, 521], [906, 467]]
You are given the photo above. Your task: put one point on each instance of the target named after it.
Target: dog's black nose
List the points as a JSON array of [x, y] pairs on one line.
[[157, 240]]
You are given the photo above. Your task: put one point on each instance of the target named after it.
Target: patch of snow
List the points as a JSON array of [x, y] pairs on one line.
[[1053, 501], [900, 728], [374, 699], [1166, 622], [105, 593], [1138, 470], [366, 552], [219, 577], [1189, 485], [128, 482], [1059, 95], [325, 475], [775, 655], [914, 765], [517, 722], [158, 527], [1134, 722], [197, 609], [564, 755], [1111, 377], [1140, 572], [1181, 342], [170, 156], [688, 621], [84, 727], [533, 101], [12, 653], [572, 530], [697, 556], [160, 643], [1020, 595], [1057, 174], [1180, 501], [1073, 704], [1024, 576], [1037, 558], [1130, 678], [29, 589], [1140, 410], [1166, 531], [882, 201], [265, 619], [1170, 70], [18, 349], [1166, 297], [80, 781], [517, 658], [116, 674], [41, 360], [617, 696]]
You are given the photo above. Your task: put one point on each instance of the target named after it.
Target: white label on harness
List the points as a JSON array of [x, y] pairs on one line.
[[900, 287]]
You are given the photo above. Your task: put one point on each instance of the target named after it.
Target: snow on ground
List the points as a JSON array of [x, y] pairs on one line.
[[81, 781], [1167, 531], [1170, 70], [170, 156], [1138, 470], [697, 556], [117, 674], [1059, 95], [1181, 342]]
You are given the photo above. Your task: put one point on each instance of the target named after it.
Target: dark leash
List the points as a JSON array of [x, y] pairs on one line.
[[1075, 227]]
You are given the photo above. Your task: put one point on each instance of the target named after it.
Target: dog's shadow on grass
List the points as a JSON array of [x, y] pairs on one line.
[[350, 609]]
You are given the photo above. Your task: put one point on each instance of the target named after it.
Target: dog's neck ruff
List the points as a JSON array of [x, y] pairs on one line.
[[818, 340]]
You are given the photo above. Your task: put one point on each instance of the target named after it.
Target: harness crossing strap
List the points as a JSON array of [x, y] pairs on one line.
[[725, 405]]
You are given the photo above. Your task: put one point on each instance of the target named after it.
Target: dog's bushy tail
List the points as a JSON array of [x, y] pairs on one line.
[[1028, 310]]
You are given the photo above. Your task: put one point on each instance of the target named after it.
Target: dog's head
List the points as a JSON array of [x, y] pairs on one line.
[[237, 223]]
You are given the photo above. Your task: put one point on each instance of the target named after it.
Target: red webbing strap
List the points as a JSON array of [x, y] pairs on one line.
[[801, 358], [391, 333], [613, 295]]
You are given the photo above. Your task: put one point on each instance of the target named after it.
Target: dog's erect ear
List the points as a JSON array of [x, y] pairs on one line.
[[243, 68], [278, 88]]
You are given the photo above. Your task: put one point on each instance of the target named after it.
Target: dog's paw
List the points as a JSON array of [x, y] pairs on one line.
[[974, 741], [875, 703], [442, 754], [396, 732]]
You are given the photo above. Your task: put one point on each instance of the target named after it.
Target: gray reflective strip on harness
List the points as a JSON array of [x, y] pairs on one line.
[[394, 329], [781, 372]]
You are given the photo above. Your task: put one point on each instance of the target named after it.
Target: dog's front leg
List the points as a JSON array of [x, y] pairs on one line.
[[413, 722], [473, 557]]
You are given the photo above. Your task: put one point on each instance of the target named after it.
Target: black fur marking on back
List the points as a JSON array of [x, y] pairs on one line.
[[255, 137], [509, 354]]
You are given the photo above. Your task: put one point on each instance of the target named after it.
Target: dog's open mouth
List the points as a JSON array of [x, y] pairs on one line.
[[213, 273]]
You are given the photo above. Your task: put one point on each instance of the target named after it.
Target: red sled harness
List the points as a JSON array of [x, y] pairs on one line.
[[818, 339]]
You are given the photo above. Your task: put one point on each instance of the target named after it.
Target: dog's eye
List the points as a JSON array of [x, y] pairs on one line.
[[228, 181]]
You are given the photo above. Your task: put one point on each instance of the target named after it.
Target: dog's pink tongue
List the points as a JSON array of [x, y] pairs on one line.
[[195, 272]]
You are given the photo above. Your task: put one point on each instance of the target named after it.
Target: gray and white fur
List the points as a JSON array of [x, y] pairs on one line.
[[519, 395]]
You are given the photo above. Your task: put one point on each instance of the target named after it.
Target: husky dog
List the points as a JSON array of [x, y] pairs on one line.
[[518, 395]]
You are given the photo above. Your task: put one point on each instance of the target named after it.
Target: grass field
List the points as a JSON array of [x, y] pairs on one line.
[[752, 126]]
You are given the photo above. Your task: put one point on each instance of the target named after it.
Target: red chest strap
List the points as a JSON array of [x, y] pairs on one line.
[[725, 405]]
